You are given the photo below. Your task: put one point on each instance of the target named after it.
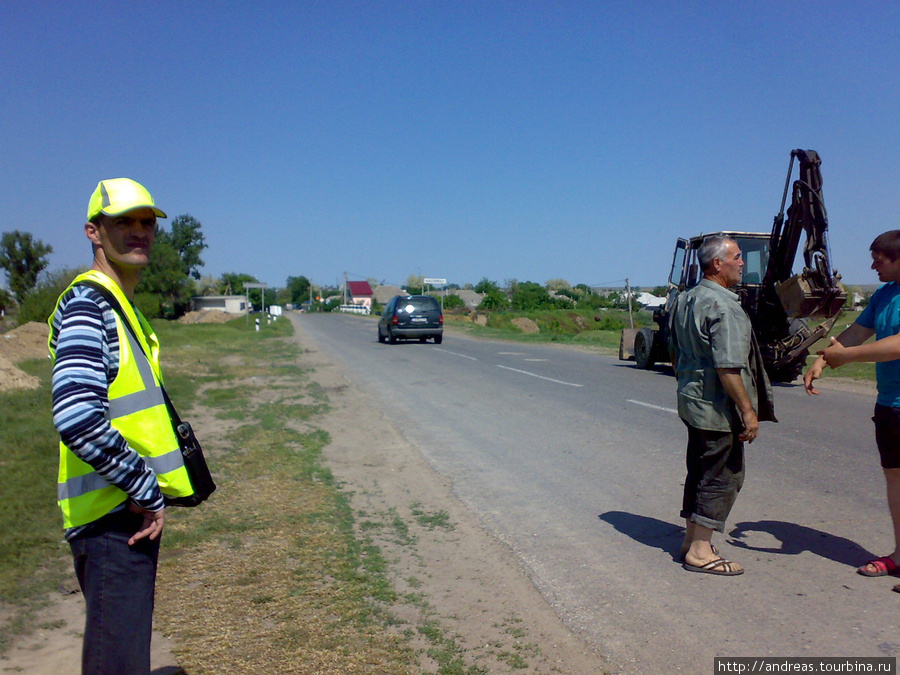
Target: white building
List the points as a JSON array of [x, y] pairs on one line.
[[231, 304]]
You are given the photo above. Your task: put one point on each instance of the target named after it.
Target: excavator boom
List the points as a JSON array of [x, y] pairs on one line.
[[815, 292]]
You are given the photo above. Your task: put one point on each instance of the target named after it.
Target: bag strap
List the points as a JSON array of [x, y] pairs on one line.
[[117, 308]]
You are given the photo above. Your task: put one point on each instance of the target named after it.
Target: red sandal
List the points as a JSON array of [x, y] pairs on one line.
[[884, 567]]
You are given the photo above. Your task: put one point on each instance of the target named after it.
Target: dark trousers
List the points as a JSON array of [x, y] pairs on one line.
[[118, 582], [715, 475]]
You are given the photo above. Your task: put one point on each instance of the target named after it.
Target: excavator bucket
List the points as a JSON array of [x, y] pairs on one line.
[[800, 298]]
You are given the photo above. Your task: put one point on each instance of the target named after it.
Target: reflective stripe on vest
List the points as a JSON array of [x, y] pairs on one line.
[[149, 396], [81, 485]]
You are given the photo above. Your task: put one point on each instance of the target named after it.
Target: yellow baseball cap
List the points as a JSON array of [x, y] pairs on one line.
[[114, 196]]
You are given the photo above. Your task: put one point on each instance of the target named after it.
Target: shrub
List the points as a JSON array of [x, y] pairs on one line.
[[494, 299], [148, 304], [529, 295], [453, 302], [40, 302]]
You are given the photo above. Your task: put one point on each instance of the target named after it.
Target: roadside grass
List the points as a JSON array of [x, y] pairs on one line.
[[273, 574], [276, 573], [33, 556], [603, 335], [598, 329], [269, 575]]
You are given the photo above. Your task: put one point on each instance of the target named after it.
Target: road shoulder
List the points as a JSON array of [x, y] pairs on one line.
[[456, 577]]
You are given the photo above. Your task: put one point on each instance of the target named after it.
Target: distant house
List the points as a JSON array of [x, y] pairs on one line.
[[385, 293], [231, 304], [360, 293], [648, 300], [471, 298]]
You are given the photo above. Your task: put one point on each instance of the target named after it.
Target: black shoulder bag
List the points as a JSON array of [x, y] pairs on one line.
[[194, 462]]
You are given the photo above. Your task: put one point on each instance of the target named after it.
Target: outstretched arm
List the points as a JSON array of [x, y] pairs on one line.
[[854, 336]]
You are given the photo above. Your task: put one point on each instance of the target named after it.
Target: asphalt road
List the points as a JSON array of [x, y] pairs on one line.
[[576, 461]]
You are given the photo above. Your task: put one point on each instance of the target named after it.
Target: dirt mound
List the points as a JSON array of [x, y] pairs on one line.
[[28, 341], [207, 316], [526, 325], [13, 378]]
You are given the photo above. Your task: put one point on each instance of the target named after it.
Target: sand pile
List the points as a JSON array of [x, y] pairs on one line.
[[207, 316], [28, 341]]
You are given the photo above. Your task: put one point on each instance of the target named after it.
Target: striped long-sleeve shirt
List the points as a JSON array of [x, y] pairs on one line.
[[84, 336]]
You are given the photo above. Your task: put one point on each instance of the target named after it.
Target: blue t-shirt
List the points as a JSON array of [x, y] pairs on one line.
[[883, 315]]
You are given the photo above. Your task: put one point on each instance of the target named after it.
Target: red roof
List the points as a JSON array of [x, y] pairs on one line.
[[358, 288]]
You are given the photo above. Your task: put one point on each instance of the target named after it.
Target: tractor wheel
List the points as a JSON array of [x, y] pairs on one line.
[[643, 350]]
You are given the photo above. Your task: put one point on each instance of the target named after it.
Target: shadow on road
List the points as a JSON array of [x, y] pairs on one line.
[[648, 531], [794, 539]]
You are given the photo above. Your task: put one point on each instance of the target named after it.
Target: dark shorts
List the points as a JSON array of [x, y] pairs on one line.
[[887, 435], [715, 475]]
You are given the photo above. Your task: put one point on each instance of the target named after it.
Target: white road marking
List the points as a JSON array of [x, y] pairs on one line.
[[511, 353], [541, 377], [471, 358], [536, 360], [650, 405]]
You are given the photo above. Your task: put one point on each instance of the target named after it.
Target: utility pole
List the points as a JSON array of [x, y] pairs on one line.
[[628, 295]]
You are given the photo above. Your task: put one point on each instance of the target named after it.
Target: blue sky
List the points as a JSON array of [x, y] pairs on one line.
[[508, 140]]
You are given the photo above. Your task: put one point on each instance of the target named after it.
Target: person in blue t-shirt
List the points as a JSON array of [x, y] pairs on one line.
[[880, 318]]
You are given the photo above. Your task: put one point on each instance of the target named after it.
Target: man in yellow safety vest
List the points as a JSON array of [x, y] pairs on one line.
[[119, 456]]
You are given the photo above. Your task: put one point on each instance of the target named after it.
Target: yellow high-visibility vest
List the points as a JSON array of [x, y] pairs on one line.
[[137, 410]]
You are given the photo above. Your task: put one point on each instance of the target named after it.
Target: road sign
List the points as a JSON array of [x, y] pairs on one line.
[[436, 282]]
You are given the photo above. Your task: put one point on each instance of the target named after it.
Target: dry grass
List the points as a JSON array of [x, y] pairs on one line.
[[268, 577]]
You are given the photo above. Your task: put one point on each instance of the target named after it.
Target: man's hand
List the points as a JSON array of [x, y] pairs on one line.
[[734, 386], [751, 426], [836, 355], [152, 526], [813, 374]]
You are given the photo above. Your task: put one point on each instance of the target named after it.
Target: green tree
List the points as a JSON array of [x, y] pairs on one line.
[[529, 295], [233, 283], [165, 277], [6, 300], [173, 269], [187, 238], [558, 285], [298, 288], [486, 286], [452, 301], [415, 284], [494, 299], [23, 258], [209, 285]]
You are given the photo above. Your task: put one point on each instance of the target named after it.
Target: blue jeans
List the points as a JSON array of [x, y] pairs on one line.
[[715, 475], [118, 582]]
